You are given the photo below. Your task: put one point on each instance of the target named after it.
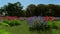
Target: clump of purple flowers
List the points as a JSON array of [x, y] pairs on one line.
[[39, 23], [39, 19]]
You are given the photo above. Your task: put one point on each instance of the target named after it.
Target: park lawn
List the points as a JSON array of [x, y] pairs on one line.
[[24, 29]]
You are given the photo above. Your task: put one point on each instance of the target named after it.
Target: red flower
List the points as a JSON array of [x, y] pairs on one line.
[[8, 17], [51, 18], [46, 18], [13, 18]]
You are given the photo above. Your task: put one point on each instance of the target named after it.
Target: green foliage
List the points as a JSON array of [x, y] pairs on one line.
[[51, 24], [11, 22], [5, 21], [4, 24], [12, 9], [24, 29], [4, 32], [15, 9], [31, 9], [14, 22]]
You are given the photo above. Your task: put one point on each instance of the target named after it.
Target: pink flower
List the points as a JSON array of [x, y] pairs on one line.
[[46, 18], [13, 18], [51, 18], [8, 17]]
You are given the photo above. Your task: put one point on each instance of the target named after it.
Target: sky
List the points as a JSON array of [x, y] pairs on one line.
[[25, 3]]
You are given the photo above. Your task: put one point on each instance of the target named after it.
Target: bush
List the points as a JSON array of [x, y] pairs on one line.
[[4, 24], [11, 22], [14, 23], [51, 24], [38, 25], [5, 21]]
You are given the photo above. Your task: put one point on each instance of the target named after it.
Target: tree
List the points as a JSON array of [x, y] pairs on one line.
[[31, 9], [41, 9], [54, 9], [14, 9]]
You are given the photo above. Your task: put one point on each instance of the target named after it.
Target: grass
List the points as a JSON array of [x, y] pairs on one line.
[[24, 29]]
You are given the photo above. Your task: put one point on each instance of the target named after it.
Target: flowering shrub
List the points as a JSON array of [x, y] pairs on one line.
[[47, 18], [35, 25], [46, 24], [50, 22], [10, 18], [11, 21]]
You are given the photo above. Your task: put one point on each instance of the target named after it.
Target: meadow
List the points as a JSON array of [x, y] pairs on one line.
[[24, 29]]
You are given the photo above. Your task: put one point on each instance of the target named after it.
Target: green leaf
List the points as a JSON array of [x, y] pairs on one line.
[[4, 32]]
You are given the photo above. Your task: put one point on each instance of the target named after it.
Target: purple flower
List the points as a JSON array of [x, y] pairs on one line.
[[39, 17], [29, 20]]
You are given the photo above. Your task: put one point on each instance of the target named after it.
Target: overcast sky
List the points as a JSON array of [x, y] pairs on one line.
[[25, 3]]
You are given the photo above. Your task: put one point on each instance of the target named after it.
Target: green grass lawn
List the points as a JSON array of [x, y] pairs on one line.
[[24, 29]]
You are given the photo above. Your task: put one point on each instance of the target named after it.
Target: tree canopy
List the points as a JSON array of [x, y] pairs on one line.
[[16, 9]]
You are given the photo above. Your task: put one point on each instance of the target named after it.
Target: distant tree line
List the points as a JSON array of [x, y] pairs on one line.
[[16, 9]]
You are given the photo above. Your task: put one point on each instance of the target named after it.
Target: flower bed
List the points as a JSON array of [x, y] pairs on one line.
[[34, 24], [10, 21]]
